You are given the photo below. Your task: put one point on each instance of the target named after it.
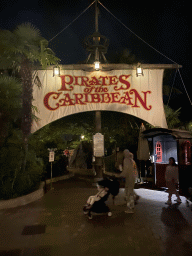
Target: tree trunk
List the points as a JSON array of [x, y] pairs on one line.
[[27, 96], [4, 129]]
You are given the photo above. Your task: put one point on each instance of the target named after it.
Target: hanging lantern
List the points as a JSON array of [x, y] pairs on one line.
[[97, 65], [139, 70], [56, 71]]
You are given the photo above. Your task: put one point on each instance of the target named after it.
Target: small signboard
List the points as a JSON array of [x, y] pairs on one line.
[[98, 145], [71, 151], [51, 156]]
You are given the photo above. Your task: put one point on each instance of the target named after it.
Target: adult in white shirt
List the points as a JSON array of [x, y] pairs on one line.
[[171, 178], [129, 171]]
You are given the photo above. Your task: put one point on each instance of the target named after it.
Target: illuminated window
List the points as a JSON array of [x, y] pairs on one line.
[[159, 152], [187, 152]]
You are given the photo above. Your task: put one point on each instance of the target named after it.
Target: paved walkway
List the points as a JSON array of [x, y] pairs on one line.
[[55, 225]]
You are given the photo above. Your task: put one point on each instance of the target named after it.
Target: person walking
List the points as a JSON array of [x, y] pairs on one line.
[[129, 172], [119, 161], [171, 178]]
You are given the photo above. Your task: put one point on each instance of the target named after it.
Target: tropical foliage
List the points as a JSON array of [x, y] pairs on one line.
[[172, 117], [14, 181], [20, 51], [24, 157], [10, 104]]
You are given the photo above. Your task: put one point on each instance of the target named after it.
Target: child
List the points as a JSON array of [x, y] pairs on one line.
[[102, 192], [171, 178]]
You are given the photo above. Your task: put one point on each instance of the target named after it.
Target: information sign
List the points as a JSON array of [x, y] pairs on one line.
[[51, 156], [98, 145]]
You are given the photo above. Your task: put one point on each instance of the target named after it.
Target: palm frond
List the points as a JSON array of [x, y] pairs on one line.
[[35, 118], [34, 109], [27, 32], [10, 95], [47, 56], [172, 117], [167, 90]]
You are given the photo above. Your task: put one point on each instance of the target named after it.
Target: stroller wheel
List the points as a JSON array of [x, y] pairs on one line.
[[90, 216], [109, 214]]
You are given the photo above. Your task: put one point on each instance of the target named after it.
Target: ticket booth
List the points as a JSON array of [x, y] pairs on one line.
[[166, 143]]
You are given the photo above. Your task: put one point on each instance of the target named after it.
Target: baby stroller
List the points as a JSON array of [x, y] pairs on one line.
[[189, 197], [96, 204]]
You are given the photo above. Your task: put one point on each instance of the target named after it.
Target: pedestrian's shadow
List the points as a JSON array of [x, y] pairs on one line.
[[175, 227], [172, 217]]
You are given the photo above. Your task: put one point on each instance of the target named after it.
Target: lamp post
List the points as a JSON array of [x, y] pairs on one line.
[[97, 38], [97, 44]]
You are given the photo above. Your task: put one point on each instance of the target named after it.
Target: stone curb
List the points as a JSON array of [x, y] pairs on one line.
[[23, 200], [64, 177]]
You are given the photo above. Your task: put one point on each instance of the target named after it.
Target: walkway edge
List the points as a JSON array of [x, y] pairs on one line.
[[64, 177], [23, 200]]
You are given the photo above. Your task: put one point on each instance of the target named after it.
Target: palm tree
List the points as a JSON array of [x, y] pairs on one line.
[[122, 56], [172, 117], [20, 51], [10, 104]]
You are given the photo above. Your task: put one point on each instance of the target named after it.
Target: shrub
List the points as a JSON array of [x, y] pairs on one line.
[[13, 182], [29, 180]]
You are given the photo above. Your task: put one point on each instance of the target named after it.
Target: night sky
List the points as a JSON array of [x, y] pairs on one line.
[[163, 24]]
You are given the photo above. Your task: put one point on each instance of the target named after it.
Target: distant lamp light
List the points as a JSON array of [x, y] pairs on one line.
[[56, 71], [139, 70], [97, 65], [82, 137], [96, 39]]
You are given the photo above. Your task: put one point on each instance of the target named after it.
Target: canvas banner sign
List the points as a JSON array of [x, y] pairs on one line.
[[77, 91]]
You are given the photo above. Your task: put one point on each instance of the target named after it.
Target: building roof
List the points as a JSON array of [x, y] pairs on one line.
[[177, 134]]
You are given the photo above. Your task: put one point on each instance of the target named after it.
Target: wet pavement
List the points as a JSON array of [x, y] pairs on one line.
[[55, 225]]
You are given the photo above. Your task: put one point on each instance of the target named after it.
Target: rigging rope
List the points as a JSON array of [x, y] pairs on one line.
[[133, 34], [172, 86], [149, 46], [136, 34], [72, 21], [185, 87]]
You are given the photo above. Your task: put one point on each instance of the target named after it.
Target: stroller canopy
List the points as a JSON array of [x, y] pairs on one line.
[[111, 184]]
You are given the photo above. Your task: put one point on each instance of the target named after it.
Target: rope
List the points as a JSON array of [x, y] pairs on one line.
[[72, 21], [136, 34], [150, 47], [172, 86], [133, 34], [185, 87]]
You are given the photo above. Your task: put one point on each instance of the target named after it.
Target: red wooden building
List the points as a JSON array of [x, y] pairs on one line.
[[166, 143]]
